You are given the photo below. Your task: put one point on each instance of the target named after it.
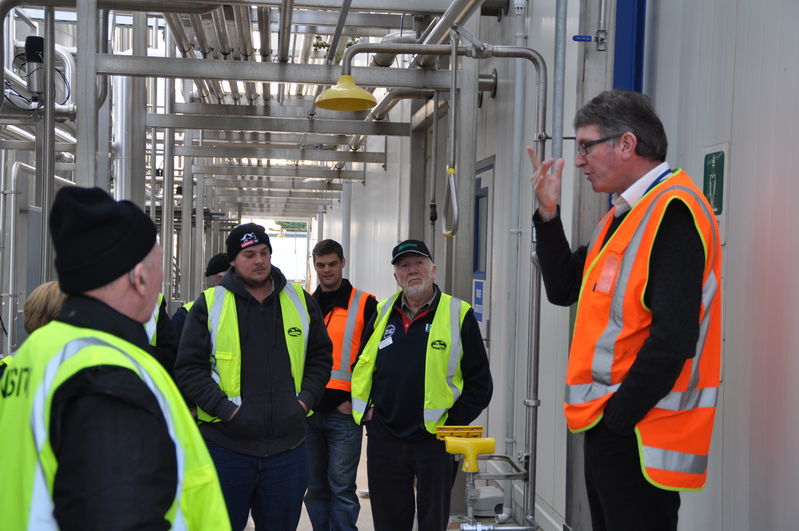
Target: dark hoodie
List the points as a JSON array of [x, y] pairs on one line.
[[271, 419]]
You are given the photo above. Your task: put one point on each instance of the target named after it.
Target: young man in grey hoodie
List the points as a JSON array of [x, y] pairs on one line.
[[255, 358]]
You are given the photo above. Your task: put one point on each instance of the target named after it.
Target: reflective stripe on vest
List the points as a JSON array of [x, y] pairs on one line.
[[443, 378], [226, 347], [151, 326], [346, 341], [188, 305], [677, 459], [198, 501]]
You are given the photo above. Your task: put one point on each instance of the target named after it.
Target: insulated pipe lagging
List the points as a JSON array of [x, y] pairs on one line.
[[199, 34], [183, 43], [243, 21]]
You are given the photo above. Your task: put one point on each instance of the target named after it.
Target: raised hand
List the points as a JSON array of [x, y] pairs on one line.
[[546, 185]]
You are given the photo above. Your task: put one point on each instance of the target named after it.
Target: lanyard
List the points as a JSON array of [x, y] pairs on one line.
[[657, 181]]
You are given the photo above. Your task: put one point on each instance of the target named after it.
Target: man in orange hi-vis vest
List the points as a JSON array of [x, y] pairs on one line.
[[334, 439], [644, 367]]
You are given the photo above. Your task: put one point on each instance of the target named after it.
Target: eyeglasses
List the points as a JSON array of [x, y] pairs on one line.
[[585, 148]]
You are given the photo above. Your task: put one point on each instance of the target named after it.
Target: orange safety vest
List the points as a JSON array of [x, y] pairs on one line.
[[345, 328], [613, 322]]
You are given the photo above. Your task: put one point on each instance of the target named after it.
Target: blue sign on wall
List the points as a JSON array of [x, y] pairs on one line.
[[477, 299]]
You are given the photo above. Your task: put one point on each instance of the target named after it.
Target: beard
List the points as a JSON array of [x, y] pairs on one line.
[[418, 289], [255, 283]]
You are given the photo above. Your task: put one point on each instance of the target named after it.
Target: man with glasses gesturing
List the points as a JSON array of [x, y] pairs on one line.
[[644, 366]]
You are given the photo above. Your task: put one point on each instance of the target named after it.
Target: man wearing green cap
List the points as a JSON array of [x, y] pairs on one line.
[[424, 365]]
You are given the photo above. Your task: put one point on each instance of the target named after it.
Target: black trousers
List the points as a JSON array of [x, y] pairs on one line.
[[392, 466], [619, 496]]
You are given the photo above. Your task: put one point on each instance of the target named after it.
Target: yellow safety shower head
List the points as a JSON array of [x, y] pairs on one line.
[[345, 95]]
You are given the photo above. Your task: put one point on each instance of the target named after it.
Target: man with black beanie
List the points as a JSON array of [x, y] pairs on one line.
[[95, 433], [255, 357], [214, 271]]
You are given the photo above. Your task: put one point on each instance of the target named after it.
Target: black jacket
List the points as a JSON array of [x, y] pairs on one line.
[[166, 340], [398, 379], [270, 420], [116, 461]]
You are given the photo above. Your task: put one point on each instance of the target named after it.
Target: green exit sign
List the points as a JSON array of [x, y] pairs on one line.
[[714, 180]]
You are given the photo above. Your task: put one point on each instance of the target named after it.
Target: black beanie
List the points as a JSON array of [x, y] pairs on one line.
[[96, 238], [245, 236], [217, 264]]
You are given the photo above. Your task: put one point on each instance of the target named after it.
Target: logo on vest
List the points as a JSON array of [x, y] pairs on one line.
[[390, 329], [294, 331], [438, 345], [16, 382]]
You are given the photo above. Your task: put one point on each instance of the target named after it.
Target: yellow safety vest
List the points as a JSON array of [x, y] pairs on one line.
[[52, 355], [443, 380], [151, 326], [223, 324]]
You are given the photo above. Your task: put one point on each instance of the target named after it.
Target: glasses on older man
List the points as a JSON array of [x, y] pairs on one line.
[[584, 149]]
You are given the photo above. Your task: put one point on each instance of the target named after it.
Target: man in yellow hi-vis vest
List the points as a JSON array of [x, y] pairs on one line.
[[255, 357], [645, 362], [95, 434], [423, 365]]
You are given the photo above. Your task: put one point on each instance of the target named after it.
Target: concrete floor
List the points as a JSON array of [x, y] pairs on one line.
[[364, 517]]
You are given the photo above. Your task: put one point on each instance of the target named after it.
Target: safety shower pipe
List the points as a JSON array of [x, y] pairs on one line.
[[519, 88], [457, 12], [451, 191], [482, 51], [284, 30], [331, 50], [532, 401], [601, 36], [383, 107]]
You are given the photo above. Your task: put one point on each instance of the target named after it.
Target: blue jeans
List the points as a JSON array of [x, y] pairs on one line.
[[334, 449], [271, 486]]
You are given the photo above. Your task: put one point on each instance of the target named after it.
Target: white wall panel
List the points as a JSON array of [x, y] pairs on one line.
[[723, 71]]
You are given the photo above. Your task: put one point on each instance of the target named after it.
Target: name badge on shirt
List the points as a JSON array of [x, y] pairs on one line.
[[385, 342]]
